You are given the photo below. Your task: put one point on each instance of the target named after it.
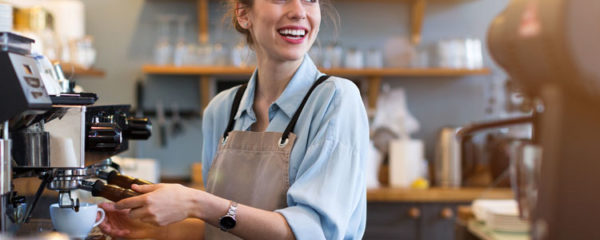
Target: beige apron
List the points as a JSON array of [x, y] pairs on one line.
[[252, 168]]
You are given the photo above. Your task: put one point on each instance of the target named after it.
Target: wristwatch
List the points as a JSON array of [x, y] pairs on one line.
[[228, 221]]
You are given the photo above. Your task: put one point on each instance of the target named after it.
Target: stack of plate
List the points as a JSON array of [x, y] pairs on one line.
[[6, 17], [500, 215], [506, 220]]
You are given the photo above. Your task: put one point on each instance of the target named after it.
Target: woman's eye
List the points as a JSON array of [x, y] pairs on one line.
[[311, 1]]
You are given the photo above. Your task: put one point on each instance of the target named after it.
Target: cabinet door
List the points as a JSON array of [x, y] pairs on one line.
[[438, 221], [392, 221]]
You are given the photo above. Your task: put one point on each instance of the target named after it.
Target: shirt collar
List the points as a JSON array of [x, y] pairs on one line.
[[291, 97]]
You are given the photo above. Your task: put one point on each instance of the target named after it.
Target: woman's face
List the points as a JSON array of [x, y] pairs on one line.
[[284, 30]]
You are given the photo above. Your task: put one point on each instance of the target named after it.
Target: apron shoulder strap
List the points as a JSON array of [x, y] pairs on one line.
[[234, 108], [292, 124]]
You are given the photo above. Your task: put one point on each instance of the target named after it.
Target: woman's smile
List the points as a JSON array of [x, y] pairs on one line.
[[293, 34]]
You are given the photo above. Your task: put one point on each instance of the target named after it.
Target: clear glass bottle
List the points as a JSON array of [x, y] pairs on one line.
[[181, 49], [163, 49]]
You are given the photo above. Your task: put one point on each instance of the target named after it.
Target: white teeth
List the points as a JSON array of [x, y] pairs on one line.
[[294, 32]]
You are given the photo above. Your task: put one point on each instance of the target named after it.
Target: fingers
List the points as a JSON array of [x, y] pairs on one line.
[[138, 201], [152, 221], [132, 202], [108, 206], [145, 188], [145, 216], [111, 228], [117, 233], [138, 213]]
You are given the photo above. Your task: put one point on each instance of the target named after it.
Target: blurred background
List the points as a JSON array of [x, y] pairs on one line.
[[422, 66]]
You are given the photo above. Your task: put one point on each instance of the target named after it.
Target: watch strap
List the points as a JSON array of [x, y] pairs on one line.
[[232, 211]]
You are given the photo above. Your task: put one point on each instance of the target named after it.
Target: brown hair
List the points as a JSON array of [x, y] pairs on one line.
[[327, 9]]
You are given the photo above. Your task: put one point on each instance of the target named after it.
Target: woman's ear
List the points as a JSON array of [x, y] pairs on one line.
[[241, 14]]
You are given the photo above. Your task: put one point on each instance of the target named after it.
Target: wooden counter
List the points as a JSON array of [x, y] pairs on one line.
[[450, 195], [436, 194]]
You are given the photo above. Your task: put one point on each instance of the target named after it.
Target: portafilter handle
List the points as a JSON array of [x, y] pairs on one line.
[[115, 178], [108, 191]]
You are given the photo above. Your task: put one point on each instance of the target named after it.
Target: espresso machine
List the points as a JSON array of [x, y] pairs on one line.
[[61, 138], [551, 48]]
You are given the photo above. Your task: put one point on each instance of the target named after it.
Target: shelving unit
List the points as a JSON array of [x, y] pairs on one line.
[[372, 75]]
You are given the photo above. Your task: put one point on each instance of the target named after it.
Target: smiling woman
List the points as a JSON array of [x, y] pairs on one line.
[[282, 156]]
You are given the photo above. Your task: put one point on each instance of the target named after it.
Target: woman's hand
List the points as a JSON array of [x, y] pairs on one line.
[[160, 204], [118, 225]]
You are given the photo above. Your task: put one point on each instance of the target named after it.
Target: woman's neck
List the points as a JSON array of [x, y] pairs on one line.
[[273, 77]]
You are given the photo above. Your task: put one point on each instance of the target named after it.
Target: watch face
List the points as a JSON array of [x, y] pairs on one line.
[[227, 222]]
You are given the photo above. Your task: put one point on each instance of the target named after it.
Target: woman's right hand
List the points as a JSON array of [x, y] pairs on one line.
[[118, 224]]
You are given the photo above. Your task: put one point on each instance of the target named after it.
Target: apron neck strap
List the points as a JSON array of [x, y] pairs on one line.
[[234, 108], [290, 127]]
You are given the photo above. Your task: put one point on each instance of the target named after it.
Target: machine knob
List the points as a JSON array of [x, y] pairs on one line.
[[414, 213], [447, 213], [115, 178], [137, 128], [103, 137], [111, 192]]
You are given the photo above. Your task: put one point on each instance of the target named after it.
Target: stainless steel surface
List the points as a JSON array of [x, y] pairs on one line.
[[68, 179], [5, 166], [34, 145], [5, 177], [68, 184], [67, 138], [448, 158], [5, 130], [66, 201]]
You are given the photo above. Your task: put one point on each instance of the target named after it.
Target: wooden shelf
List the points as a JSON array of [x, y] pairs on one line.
[[372, 75], [195, 70], [436, 194], [365, 72], [75, 70]]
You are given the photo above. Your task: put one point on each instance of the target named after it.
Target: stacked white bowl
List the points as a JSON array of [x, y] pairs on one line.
[[6, 17]]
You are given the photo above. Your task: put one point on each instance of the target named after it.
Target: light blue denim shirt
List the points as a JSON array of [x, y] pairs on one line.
[[327, 194]]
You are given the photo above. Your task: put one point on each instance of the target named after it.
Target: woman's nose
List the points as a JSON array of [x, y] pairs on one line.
[[296, 9]]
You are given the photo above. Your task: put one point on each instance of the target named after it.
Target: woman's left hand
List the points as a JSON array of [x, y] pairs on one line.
[[160, 204]]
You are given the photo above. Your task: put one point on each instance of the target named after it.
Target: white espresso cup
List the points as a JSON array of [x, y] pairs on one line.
[[76, 224]]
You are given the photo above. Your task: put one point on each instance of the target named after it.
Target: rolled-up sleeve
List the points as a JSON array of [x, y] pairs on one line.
[[327, 199]]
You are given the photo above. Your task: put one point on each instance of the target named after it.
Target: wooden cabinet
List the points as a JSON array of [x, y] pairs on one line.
[[420, 214], [406, 220], [392, 221]]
